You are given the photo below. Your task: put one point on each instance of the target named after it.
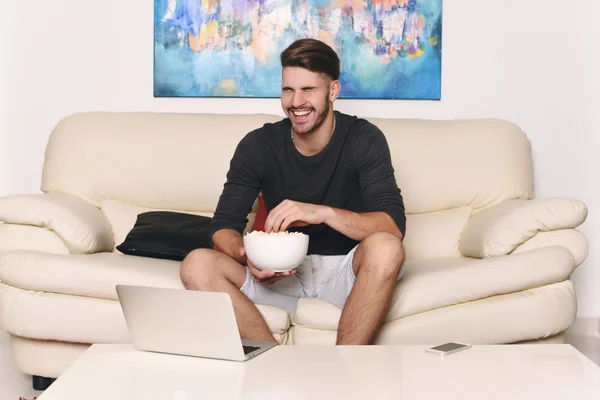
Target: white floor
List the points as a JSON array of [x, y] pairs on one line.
[[14, 385], [585, 337]]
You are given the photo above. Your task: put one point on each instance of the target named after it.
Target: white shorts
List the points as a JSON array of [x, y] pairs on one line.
[[329, 278]]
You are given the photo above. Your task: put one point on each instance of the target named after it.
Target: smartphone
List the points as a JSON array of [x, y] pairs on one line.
[[448, 348]]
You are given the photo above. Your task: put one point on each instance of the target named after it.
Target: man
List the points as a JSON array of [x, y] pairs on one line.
[[322, 173]]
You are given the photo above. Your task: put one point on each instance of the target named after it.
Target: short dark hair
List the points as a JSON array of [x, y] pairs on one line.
[[313, 55]]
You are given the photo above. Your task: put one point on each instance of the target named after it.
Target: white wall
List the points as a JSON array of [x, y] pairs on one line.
[[529, 61]]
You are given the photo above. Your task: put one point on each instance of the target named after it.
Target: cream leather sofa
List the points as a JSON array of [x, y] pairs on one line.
[[485, 263]]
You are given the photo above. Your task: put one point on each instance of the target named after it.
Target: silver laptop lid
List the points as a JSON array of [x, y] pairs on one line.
[[179, 321]]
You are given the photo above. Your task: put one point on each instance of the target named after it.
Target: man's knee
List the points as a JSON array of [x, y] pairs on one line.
[[198, 269], [381, 251]]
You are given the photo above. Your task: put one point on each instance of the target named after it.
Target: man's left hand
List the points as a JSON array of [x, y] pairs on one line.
[[294, 213]]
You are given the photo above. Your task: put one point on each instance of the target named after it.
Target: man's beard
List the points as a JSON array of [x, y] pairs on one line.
[[320, 117]]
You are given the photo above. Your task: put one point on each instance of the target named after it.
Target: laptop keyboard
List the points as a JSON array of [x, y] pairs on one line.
[[250, 349]]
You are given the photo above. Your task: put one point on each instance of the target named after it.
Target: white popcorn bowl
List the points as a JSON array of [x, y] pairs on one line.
[[276, 252]]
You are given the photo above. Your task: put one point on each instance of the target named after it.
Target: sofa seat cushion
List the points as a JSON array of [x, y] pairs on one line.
[[31, 314], [90, 275], [433, 284], [520, 316], [96, 275]]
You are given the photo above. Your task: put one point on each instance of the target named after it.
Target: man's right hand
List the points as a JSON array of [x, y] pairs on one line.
[[265, 277]]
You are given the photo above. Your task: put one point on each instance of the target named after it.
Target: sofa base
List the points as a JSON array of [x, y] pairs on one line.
[[52, 358], [45, 358], [559, 338]]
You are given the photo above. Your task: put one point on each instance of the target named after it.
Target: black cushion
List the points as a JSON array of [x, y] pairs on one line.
[[167, 235]]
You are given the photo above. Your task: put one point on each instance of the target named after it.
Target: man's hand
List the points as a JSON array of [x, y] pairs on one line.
[[265, 277], [294, 213]]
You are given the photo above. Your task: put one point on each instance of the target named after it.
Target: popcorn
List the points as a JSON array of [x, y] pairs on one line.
[[261, 233]]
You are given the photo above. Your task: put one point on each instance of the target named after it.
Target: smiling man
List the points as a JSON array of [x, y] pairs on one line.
[[323, 173]]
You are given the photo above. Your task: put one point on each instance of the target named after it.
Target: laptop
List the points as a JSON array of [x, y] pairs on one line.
[[185, 322]]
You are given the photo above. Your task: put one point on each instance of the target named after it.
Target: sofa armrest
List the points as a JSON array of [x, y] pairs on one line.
[[82, 226], [30, 238], [570, 238], [499, 229]]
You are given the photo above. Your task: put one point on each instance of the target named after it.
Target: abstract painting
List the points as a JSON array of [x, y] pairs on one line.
[[389, 49]]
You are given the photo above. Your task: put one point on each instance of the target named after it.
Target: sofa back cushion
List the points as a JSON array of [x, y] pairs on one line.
[[435, 234], [156, 161], [442, 165], [179, 161], [429, 235]]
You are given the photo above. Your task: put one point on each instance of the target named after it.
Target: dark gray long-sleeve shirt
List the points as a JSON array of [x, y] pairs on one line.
[[353, 172]]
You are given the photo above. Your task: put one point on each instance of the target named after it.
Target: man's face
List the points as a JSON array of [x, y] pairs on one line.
[[305, 98]]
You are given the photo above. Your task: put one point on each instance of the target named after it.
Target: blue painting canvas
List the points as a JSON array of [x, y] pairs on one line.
[[389, 49]]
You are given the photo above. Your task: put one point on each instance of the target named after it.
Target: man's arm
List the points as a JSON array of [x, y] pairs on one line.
[[235, 203], [231, 216], [358, 226], [230, 242], [355, 225], [380, 193]]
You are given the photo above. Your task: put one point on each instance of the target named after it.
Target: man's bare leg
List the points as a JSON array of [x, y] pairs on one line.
[[376, 264], [213, 271]]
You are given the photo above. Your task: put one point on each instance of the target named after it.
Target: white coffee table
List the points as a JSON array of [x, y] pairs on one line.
[[327, 372]]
